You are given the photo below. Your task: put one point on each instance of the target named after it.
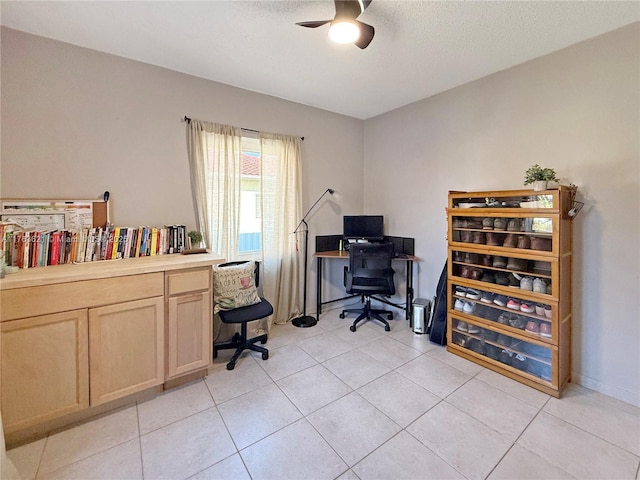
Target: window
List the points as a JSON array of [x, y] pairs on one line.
[[250, 227]]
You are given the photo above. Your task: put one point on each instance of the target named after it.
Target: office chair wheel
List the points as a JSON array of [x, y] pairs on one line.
[[352, 328], [341, 315], [231, 365], [265, 356], [387, 328], [262, 342], [390, 316]]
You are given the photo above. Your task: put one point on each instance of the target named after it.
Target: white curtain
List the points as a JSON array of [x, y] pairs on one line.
[[215, 163], [281, 211]]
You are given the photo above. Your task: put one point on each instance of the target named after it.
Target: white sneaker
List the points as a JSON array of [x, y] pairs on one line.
[[469, 307], [539, 286], [459, 305], [473, 328], [462, 326], [526, 283]]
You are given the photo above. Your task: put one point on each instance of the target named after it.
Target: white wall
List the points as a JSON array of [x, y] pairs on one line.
[[77, 122], [577, 111]]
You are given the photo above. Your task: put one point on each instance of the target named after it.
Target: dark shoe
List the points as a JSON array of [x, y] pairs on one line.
[[540, 243], [502, 278], [499, 262], [473, 294], [485, 260], [503, 319], [514, 280], [487, 297], [471, 258], [501, 300], [519, 264], [500, 223], [479, 238], [465, 272], [524, 242], [513, 225], [510, 241], [488, 277], [465, 236], [516, 321], [494, 239], [476, 274], [458, 256], [487, 223], [475, 223]]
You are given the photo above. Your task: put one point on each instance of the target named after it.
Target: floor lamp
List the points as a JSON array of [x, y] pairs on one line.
[[305, 320]]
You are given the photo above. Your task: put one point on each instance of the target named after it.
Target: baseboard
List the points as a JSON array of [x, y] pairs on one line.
[[605, 389]]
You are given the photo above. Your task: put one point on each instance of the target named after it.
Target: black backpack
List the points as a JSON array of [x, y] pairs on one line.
[[438, 332]]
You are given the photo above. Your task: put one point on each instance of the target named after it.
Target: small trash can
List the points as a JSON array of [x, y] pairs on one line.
[[420, 314]]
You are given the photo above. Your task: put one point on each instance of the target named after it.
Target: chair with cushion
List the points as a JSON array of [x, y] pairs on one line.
[[237, 302], [370, 273]]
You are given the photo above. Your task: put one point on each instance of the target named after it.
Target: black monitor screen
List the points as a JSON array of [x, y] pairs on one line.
[[369, 227]]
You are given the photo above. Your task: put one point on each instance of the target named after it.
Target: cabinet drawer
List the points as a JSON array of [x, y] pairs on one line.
[[188, 281], [34, 301]]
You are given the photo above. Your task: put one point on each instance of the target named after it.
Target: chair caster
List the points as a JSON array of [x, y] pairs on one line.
[[352, 328], [390, 316], [265, 356], [231, 365], [263, 341], [387, 328], [341, 315]]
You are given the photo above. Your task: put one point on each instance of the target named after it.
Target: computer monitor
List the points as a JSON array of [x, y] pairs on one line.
[[366, 227]]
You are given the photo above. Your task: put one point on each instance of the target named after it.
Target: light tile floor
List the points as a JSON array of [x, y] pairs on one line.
[[332, 404]]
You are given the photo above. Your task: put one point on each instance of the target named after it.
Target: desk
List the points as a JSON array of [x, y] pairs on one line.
[[337, 254]]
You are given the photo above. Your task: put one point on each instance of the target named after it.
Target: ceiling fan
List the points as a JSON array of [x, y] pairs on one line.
[[344, 26]]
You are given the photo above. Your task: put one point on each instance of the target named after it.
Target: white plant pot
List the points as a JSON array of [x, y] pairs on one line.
[[540, 185]]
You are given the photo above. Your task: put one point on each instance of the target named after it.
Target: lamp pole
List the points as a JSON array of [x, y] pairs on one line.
[[305, 320]]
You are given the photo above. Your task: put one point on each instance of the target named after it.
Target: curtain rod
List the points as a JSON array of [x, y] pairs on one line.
[[188, 120]]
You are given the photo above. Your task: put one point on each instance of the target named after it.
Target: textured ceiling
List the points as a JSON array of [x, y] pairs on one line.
[[420, 48]]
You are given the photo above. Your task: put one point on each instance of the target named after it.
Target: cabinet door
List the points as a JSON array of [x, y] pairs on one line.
[[44, 368], [126, 348], [189, 343]]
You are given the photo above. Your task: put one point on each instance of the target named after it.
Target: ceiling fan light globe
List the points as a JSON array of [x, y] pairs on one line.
[[344, 32]]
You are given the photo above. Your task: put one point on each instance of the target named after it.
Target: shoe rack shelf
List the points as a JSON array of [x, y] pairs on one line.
[[509, 281]]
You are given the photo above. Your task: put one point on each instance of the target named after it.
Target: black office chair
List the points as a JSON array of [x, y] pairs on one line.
[[370, 273], [244, 315]]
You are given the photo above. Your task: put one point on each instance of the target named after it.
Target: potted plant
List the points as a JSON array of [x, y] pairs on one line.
[[539, 177], [196, 239]]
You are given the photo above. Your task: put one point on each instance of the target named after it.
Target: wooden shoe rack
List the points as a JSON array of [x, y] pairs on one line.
[[496, 239]]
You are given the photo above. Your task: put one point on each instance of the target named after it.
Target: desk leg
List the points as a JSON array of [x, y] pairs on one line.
[[319, 289], [409, 288]]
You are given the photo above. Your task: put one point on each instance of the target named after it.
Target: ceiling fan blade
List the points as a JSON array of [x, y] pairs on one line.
[[366, 35], [350, 9], [317, 24]]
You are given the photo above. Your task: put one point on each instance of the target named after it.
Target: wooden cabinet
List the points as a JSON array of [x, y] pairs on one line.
[[189, 321], [509, 281], [126, 348], [45, 368], [81, 339]]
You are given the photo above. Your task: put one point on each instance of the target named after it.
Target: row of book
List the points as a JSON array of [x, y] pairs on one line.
[[35, 248]]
